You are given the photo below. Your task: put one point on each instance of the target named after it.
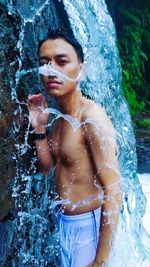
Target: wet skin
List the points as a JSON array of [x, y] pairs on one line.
[[85, 159]]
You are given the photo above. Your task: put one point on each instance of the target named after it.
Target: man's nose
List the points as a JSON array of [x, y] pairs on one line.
[[52, 75]]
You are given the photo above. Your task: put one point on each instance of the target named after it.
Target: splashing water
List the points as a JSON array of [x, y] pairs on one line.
[[95, 42], [48, 70], [34, 195]]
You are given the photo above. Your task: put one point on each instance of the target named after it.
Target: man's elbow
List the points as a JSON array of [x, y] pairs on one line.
[[45, 166], [114, 196], [118, 194], [119, 199], [45, 170]]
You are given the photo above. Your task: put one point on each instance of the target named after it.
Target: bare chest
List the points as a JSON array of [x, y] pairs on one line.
[[66, 143]]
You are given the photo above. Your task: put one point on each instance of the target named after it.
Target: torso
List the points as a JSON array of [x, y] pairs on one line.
[[76, 180]]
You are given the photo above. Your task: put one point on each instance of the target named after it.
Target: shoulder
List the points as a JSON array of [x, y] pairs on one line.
[[98, 129], [91, 109], [96, 115]]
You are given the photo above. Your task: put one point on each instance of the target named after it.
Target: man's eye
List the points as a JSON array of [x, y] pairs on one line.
[[43, 62], [62, 62]]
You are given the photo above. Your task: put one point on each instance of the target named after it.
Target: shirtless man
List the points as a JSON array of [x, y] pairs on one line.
[[87, 172]]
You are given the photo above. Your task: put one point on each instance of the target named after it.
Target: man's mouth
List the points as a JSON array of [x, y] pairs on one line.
[[54, 83]]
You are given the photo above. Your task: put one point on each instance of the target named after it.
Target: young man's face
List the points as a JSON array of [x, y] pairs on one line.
[[63, 58]]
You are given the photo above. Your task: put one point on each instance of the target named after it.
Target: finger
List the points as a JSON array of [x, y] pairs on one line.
[[30, 97], [36, 100]]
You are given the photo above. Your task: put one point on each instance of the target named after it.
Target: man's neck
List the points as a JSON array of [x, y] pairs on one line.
[[71, 103]]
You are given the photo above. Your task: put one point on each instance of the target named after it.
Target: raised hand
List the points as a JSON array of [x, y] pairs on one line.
[[37, 117]]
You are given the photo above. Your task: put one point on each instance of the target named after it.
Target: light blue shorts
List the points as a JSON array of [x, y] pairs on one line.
[[79, 235]]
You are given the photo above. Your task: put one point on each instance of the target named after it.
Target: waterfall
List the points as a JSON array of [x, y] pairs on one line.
[[93, 27], [34, 240]]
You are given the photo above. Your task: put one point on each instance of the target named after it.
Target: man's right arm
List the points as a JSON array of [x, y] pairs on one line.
[[39, 121], [44, 155]]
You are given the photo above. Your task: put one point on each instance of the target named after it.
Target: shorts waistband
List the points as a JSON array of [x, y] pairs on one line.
[[82, 216]]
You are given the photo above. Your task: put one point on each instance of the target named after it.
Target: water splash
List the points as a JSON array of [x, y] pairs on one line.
[[105, 90], [35, 195], [48, 70]]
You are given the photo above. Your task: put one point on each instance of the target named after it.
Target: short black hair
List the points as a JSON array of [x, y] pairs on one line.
[[59, 33]]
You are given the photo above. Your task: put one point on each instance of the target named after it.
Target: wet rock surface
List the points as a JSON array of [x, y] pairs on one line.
[[18, 41], [22, 28]]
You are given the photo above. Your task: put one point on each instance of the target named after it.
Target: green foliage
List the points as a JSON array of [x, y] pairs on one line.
[[135, 105], [132, 19], [145, 123]]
